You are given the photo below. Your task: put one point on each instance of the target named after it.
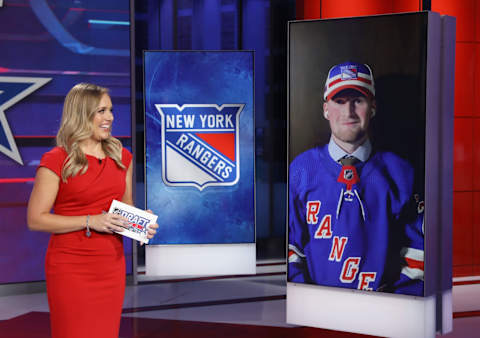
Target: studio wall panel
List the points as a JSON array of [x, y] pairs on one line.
[[464, 12], [467, 103], [399, 6], [463, 233], [476, 72], [476, 154], [306, 10], [463, 154], [465, 66], [476, 233], [476, 15], [346, 8]]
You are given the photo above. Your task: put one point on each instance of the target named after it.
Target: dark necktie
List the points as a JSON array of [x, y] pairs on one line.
[[348, 160]]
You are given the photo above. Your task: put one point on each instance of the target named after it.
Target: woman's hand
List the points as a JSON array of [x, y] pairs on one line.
[[152, 228], [108, 223]]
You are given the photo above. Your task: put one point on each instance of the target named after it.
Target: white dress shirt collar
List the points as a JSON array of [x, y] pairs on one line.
[[362, 152]]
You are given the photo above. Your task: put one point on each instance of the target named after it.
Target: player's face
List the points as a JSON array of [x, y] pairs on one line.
[[349, 114], [103, 119]]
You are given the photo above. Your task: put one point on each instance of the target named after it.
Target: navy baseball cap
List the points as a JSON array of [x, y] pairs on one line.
[[349, 75]]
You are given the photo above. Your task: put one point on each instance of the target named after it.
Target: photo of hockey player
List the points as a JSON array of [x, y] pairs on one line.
[[355, 214]]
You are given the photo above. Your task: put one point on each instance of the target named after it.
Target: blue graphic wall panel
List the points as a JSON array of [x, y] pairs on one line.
[[199, 145], [47, 48]]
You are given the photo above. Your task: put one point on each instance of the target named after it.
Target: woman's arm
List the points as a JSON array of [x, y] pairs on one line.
[[41, 201], [127, 196]]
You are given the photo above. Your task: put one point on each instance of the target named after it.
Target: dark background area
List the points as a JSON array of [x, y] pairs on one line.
[[394, 46]]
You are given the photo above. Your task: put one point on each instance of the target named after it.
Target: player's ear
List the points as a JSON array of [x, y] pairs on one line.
[[373, 108], [325, 111]]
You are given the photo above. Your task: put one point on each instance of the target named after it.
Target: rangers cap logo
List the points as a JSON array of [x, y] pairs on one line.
[[351, 75], [349, 72], [200, 144]]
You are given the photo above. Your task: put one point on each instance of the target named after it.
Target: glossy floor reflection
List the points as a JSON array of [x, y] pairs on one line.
[[228, 307]]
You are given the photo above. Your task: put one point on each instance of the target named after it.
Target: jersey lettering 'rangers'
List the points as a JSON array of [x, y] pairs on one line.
[[357, 226]]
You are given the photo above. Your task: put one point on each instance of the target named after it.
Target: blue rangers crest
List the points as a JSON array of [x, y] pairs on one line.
[[200, 144], [349, 72]]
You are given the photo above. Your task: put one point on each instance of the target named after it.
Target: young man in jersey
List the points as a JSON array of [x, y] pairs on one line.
[[354, 218]]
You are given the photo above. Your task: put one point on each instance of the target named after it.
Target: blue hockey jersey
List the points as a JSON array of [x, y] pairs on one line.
[[358, 226]]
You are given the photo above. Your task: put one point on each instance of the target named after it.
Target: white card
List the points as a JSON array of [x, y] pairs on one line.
[[138, 220]]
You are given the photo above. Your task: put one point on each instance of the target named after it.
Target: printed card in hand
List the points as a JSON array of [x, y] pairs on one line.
[[138, 220]]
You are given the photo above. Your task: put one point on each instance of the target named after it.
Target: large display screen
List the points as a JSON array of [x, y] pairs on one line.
[[47, 48], [199, 145], [357, 112]]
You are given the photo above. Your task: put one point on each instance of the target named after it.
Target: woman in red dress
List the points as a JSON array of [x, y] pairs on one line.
[[85, 263]]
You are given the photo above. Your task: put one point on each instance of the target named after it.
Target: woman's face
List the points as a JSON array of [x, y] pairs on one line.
[[103, 119]]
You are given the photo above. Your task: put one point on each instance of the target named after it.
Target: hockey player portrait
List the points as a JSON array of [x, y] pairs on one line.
[[355, 218]]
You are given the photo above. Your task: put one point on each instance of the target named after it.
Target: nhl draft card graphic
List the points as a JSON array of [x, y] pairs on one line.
[[138, 220], [199, 145]]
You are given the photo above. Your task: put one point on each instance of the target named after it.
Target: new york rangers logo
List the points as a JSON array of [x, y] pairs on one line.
[[200, 144], [349, 72]]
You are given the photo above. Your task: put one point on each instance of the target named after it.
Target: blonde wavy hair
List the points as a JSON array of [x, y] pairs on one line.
[[76, 126]]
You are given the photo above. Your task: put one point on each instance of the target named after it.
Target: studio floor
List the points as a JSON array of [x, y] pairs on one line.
[[232, 307]]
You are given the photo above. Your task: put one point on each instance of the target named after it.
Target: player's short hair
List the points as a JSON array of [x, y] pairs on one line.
[[349, 75]]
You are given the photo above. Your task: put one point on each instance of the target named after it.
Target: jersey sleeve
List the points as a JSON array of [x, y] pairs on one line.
[[126, 157], [54, 160], [297, 262], [411, 280]]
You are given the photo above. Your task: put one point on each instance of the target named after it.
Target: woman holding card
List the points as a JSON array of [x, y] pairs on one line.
[[79, 179]]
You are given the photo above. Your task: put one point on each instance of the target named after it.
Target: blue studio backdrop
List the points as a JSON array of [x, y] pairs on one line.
[[199, 145], [47, 47]]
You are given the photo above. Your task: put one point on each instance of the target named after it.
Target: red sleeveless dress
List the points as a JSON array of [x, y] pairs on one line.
[[86, 275]]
